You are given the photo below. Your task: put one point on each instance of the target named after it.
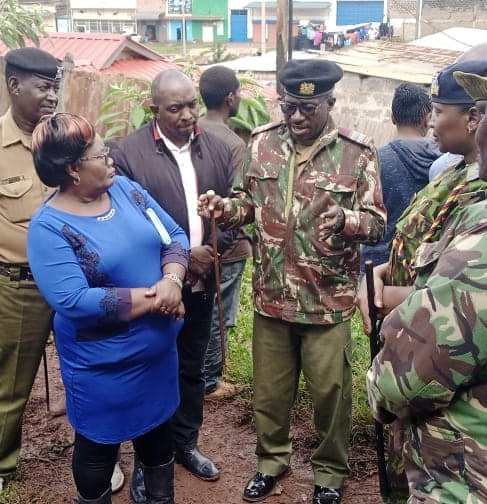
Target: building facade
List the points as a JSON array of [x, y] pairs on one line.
[[436, 16], [97, 16]]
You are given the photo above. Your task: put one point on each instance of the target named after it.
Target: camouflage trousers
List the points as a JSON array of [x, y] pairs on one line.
[[24, 328], [281, 350]]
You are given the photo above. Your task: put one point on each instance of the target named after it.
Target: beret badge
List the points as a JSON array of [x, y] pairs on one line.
[[435, 87], [59, 72], [307, 89]]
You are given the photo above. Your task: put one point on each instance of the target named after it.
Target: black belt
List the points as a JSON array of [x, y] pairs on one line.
[[16, 272]]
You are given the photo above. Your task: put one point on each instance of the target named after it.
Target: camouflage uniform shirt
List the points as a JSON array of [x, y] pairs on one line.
[[297, 277], [420, 222], [432, 370]]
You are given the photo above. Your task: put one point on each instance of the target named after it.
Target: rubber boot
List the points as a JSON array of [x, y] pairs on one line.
[[137, 486], [159, 483], [106, 498]]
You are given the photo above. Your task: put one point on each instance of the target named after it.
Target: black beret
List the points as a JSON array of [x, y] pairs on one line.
[[445, 89], [36, 62], [308, 78]]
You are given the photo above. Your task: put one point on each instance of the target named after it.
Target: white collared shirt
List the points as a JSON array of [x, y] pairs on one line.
[[190, 185]]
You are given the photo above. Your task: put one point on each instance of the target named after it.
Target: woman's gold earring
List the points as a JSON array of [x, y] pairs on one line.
[[76, 180]]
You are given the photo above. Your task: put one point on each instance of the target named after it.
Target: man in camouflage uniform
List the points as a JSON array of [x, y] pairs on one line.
[[432, 370], [313, 191]]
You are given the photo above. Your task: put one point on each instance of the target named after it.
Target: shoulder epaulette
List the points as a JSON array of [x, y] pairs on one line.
[[266, 127], [356, 136]]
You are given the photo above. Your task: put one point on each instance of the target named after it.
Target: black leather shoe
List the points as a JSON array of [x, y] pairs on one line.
[[325, 495], [137, 485], [259, 487], [197, 464]]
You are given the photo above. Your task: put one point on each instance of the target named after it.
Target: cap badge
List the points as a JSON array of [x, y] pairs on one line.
[[59, 72], [307, 89], [435, 87]]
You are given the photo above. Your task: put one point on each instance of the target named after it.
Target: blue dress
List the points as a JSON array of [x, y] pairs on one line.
[[121, 376]]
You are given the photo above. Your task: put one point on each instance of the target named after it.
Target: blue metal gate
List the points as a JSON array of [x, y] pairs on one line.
[[239, 25], [356, 12]]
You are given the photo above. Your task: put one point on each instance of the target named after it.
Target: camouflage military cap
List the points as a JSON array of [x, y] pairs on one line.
[[309, 78], [474, 85]]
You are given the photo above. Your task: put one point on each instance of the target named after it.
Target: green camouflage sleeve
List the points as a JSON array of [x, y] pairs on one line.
[[239, 209], [434, 342], [367, 223]]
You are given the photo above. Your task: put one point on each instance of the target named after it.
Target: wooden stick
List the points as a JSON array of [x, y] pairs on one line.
[[221, 314], [46, 382]]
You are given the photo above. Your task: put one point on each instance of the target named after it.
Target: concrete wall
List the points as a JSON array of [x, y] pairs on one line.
[[364, 104], [438, 15]]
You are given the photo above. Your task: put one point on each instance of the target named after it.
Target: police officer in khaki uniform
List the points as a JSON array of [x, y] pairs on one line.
[[33, 77]]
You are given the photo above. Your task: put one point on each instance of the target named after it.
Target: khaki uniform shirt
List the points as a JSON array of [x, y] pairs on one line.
[[21, 191]]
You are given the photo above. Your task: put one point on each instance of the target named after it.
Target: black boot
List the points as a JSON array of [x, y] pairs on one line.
[[197, 463], [137, 485], [325, 495], [106, 498], [159, 483]]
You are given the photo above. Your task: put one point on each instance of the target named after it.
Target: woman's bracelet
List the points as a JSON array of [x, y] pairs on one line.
[[174, 278]]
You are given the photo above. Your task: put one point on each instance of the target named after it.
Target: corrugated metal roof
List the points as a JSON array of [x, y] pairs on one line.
[[97, 51], [453, 39], [139, 68]]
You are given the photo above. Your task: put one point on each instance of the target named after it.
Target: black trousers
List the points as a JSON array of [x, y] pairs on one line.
[[192, 343], [93, 463]]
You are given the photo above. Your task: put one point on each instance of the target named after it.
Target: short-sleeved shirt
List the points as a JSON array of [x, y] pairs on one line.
[[21, 191]]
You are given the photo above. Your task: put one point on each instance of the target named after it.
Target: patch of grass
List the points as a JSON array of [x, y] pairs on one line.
[[239, 365], [10, 495]]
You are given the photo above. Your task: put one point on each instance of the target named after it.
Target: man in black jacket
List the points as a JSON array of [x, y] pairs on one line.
[[176, 161]]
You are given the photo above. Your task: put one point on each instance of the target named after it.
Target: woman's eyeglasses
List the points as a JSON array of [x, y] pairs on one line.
[[104, 155]]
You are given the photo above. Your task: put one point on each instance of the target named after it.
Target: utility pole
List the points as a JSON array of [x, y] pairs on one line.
[[184, 27], [419, 13], [262, 28], [284, 35]]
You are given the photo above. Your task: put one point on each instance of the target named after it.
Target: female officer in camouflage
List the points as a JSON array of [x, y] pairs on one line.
[[455, 122], [432, 370]]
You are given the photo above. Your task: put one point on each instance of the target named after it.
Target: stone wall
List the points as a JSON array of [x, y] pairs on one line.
[[438, 15]]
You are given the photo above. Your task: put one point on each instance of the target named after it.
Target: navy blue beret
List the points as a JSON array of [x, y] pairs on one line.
[[445, 89], [36, 62], [308, 78]]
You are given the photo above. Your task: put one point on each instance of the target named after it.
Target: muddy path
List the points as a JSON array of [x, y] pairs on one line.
[[227, 435]]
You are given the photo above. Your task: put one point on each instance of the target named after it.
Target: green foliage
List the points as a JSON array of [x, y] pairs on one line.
[[251, 113], [239, 365], [125, 108], [218, 53], [18, 24]]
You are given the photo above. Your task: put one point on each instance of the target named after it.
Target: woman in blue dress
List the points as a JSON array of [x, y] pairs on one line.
[[110, 262]]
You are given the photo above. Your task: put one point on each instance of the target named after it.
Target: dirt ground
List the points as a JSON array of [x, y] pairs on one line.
[[227, 436]]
